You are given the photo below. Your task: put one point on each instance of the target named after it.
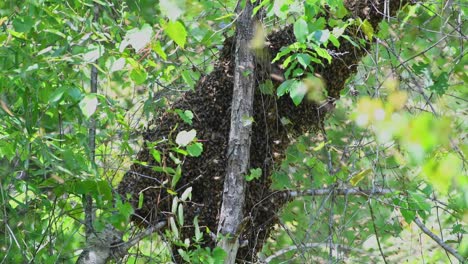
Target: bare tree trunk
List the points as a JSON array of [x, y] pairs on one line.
[[239, 137]]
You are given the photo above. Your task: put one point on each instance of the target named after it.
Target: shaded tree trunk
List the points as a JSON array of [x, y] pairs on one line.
[[238, 150]]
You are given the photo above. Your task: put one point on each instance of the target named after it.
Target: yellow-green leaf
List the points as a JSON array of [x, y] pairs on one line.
[[368, 29], [359, 176], [176, 31]]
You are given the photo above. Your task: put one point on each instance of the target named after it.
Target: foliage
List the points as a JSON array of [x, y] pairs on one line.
[[405, 131]]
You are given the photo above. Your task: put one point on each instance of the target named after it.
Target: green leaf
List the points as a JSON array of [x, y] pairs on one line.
[[301, 30], [297, 92], [186, 115], [156, 155], [359, 176], [159, 50], [195, 149], [219, 255], [176, 31], [304, 59], [140, 200], [323, 53], [57, 95], [198, 234], [368, 29], [408, 215], [254, 174], [180, 214], [23, 24], [187, 76], [174, 229], [284, 87], [283, 51], [88, 105], [138, 75], [266, 87], [176, 177]]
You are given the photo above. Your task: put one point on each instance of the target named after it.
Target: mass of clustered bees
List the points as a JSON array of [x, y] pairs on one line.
[[210, 103]]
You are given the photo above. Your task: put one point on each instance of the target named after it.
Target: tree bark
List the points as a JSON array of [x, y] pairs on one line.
[[239, 137]]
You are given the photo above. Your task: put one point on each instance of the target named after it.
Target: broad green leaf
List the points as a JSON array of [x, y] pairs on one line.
[[187, 76], [301, 30], [57, 95], [280, 8], [176, 31], [368, 29], [185, 137], [218, 255], [297, 92], [284, 87], [88, 105], [23, 24], [323, 53], [303, 59], [186, 115], [195, 149], [408, 215], [138, 75]]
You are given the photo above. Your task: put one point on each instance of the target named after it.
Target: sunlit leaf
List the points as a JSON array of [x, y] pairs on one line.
[[176, 31], [297, 92], [185, 137], [88, 105], [137, 38], [195, 149], [359, 176]]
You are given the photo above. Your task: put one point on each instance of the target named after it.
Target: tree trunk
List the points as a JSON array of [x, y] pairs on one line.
[[238, 157]]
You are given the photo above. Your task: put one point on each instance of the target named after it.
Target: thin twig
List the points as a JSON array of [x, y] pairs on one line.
[[122, 248], [437, 239], [349, 191], [313, 245], [375, 231]]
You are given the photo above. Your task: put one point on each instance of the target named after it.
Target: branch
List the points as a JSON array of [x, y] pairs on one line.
[[121, 249], [349, 191], [437, 239], [314, 245], [229, 224], [88, 200]]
